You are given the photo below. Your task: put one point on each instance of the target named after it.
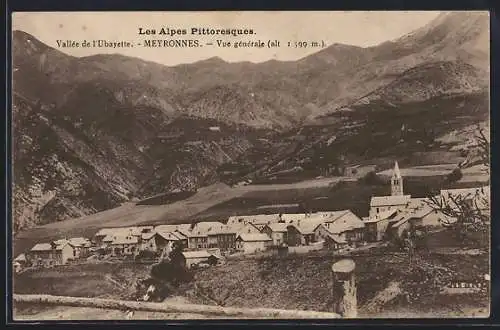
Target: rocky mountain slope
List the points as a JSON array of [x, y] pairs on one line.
[[91, 132]]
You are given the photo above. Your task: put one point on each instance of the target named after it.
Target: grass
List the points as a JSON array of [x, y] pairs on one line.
[[304, 282], [87, 280]]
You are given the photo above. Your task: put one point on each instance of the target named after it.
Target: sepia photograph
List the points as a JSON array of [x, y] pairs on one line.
[[250, 165]]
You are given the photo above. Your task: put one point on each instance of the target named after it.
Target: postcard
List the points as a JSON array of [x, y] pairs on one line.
[[250, 165]]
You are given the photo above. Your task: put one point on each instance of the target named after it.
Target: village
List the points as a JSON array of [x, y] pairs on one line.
[[209, 243]]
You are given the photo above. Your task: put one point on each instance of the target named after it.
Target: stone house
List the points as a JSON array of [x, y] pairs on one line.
[[301, 232], [158, 242], [277, 232], [191, 258], [197, 240], [81, 247], [381, 204], [252, 243], [19, 263], [376, 226], [50, 254], [124, 246]]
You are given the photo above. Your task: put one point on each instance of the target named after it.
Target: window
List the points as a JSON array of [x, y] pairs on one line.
[[377, 209]]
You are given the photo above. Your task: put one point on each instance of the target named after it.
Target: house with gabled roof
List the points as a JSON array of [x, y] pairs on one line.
[[252, 243], [81, 246], [173, 227], [49, 254], [277, 231], [158, 242], [19, 263], [192, 258], [379, 204], [258, 220], [342, 226], [106, 233], [124, 245], [197, 240], [376, 226], [182, 237], [301, 232]]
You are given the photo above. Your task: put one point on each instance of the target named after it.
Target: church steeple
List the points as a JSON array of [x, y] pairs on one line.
[[396, 181]]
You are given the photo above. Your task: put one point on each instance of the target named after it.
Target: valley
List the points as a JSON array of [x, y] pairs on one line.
[[95, 132]]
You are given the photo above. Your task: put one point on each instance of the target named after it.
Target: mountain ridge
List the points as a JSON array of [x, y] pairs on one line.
[[125, 128]]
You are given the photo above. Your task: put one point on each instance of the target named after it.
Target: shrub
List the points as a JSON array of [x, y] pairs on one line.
[[371, 178], [145, 255], [454, 176]]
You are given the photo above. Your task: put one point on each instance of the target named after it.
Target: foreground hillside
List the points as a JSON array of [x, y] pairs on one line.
[[295, 282]]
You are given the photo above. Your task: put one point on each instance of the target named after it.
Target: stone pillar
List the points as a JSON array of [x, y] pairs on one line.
[[344, 289]]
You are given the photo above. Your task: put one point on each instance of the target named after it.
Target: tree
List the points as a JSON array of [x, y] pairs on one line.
[[168, 275], [466, 213], [145, 255], [454, 176], [371, 178]]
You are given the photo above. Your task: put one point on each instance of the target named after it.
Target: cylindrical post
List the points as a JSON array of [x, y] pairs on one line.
[[344, 289]]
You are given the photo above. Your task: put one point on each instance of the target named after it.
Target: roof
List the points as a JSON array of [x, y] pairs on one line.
[[293, 216], [42, 247], [337, 238], [389, 200], [255, 219], [396, 173], [171, 228], [147, 236], [184, 226], [196, 254], [59, 247], [254, 237], [60, 241], [278, 226], [307, 226], [168, 236], [381, 216], [60, 244], [219, 229], [207, 227], [347, 221], [122, 231], [422, 211], [105, 231], [402, 218], [80, 241], [21, 257], [241, 228], [181, 233], [125, 240]]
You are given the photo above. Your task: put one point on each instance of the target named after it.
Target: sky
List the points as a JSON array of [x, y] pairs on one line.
[[355, 28]]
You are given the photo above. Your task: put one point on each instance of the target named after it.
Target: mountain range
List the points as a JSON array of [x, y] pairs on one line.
[[92, 132]]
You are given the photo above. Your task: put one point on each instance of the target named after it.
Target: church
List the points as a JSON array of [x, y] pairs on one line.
[[397, 199], [397, 213]]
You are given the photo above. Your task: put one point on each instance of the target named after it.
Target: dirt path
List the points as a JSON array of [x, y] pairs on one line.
[[77, 313]]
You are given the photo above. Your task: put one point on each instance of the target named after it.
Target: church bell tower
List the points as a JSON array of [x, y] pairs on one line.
[[396, 181]]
